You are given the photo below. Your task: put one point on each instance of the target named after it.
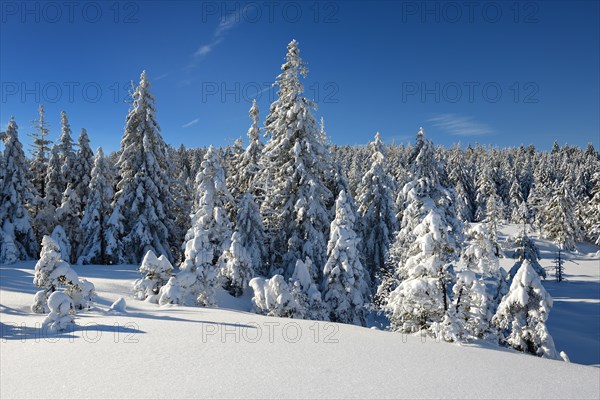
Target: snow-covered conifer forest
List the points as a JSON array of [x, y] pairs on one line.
[[176, 263]]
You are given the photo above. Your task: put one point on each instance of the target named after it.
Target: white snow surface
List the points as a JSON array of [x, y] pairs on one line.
[[230, 353]]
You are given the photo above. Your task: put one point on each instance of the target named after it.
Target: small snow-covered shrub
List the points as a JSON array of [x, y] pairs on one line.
[[157, 272], [83, 294], [61, 312], [273, 297], [52, 273], [299, 298], [40, 302], [180, 289]]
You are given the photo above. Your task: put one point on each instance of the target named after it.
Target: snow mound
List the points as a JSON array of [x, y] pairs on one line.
[[119, 306]]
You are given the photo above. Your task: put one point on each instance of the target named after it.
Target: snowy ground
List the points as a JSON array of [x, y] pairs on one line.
[[181, 352]]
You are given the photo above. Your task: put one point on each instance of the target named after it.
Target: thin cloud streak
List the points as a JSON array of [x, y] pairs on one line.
[[460, 125], [230, 21], [163, 76], [192, 122]]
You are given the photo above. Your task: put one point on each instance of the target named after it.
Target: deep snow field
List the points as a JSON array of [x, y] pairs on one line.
[[147, 351]]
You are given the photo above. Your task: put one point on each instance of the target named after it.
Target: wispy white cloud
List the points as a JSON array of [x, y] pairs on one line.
[[192, 122], [163, 76], [202, 51], [227, 23], [460, 125]]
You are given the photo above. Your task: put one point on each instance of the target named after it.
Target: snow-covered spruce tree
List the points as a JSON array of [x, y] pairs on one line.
[[345, 289], [66, 153], [210, 233], [306, 293], [95, 218], [68, 217], [236, 267], [471, 307], [592, 213], [355, 172], [142, 217], [460, 176], [481, 252], [522, 314], [294, 160], [252, 235], [157, 271], [17, 239], [40, 152], [478, 288], [54, 183], [486, 189], [377, 210], [231, 156], [247, 166], [538, 197], [560, 222], [494, 212], [75, 196], [82, 169], [414, 295], [515, 206], [334, 176], [181, 188], [60, 236], [526, 250]]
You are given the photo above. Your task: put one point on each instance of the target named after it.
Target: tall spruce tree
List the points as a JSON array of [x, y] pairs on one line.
[[66, 153], [244, 178], [414, 295], [40, 152], [345, 288], [82, 168], [294, 160], [560, 222], [17, 239], [94, 224], [210, 233], [377, 210], [142, 217]]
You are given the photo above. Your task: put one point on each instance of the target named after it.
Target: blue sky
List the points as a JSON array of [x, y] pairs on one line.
[[501, 73]]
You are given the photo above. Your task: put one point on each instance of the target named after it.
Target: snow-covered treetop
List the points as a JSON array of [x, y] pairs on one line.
[[424, 166], [377, 148], [65, 142], [288, 81], [343, 209], [254, 131], [83, 139], [527, 284], [211, 179]]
